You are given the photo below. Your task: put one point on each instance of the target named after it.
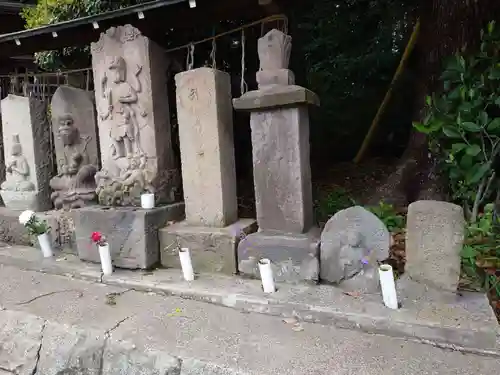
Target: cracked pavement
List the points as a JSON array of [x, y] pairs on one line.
[[192, 330]]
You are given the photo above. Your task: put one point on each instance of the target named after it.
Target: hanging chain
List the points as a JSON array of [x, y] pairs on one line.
[[190, 57], [243, 84], [212, 54]]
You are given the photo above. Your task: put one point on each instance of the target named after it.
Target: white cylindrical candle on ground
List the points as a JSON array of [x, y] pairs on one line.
[[388, 286], [105, 255], [148, 201], [186, 264], [45, 245], [266, 276]]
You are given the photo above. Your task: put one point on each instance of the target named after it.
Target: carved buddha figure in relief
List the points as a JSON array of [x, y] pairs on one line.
[[121, 99], [74, 186], [18, 170]]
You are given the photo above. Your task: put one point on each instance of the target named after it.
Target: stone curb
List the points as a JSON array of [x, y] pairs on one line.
[[472, 334], [32, 345]]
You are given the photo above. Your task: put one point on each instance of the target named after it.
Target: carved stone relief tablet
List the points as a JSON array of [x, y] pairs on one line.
[[134, 133]]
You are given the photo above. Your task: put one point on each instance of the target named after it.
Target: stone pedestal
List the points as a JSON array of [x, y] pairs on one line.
[[133, 119], [282, 175], [294, 256], [132, 233], [211, 229], [11, 230], [213, 250], [61, 229], [26, 138]]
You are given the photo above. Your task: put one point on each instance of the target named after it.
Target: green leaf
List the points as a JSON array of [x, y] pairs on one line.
[[471, 126], [473, 150], [483, 117], [494, 74], [466, 162], [451, 132], [428, 100], [479, 173], [497, 101], [491, 27], [495, 124], [455, 94], [421, 128], [465, 107], [457, 147], [468, 252]]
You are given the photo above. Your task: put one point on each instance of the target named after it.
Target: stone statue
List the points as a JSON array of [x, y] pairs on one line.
[[353, 242], [74, 186], [352, 254], [274, 50], [18, 170], [121, 98], [122, 111], [127, 187]]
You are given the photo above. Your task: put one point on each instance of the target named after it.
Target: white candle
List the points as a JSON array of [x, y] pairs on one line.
[[45, 245], [105, 255], [186, 264], [266, 276], [148, 201], [388, 285]]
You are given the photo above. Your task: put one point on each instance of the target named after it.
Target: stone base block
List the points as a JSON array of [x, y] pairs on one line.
[[132, 233], [11, 231], [25, 200], [213, 250], [294, 257], [62, 229]]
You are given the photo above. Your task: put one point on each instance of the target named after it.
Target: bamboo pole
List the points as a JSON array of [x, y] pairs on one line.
[[402, 64]]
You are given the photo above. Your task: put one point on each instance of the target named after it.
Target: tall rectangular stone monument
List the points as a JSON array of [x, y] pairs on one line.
[[211, 229], [282, 176], [130, 80], [28, 159]]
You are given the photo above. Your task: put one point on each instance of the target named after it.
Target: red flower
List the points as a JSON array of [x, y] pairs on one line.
[[96, 237]]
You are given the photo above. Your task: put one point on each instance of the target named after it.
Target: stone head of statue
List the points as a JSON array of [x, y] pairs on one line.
[[118, 69], [67, 130], [134, 164], [353, 238]]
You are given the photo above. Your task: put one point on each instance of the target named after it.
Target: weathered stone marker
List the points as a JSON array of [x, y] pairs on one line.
[[282, 174], [26, 137], [136, 150], [76, 144], [434, 240], [211, 229], [352, 243]]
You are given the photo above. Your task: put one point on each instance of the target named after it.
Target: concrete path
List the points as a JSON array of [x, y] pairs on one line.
[[246, 342]]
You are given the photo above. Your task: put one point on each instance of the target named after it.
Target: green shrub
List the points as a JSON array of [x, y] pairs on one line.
[[393, 220], [331, 203], [463, 123]]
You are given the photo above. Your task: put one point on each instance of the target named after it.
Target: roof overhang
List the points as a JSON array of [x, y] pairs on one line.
[[158, 16]]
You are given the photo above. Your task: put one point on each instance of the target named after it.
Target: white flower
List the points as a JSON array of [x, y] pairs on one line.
[[26, 216]]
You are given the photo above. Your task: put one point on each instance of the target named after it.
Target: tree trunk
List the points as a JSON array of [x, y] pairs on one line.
[[447, 26]]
